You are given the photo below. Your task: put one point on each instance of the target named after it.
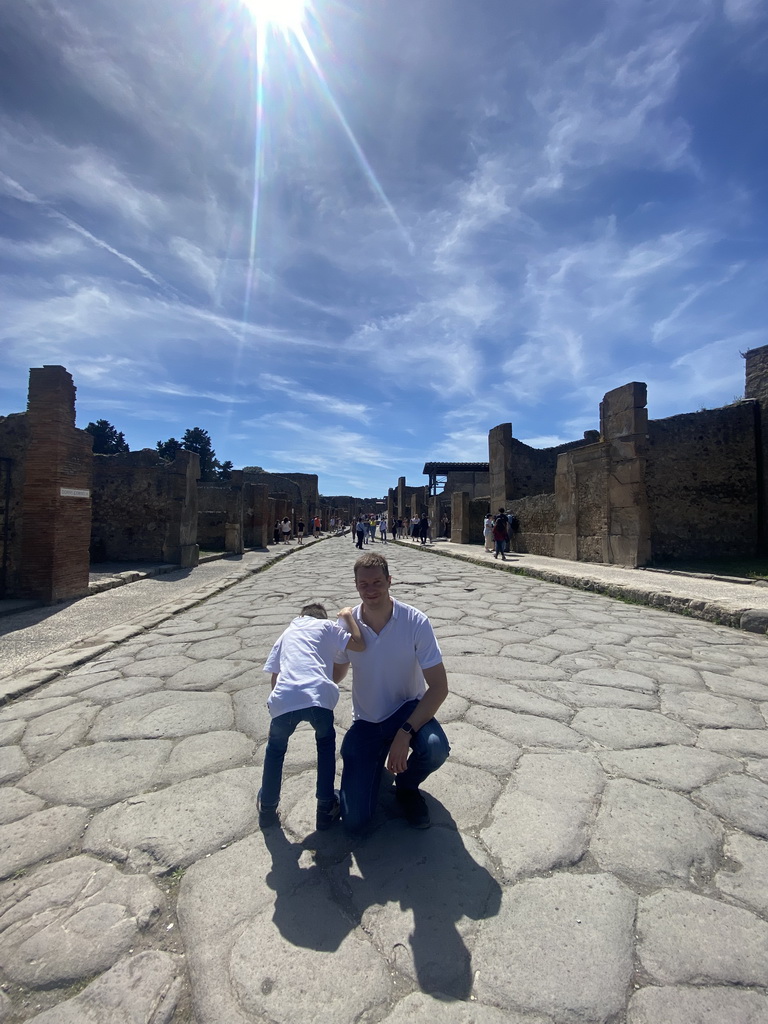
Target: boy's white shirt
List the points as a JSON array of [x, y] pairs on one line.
[[303, 657]]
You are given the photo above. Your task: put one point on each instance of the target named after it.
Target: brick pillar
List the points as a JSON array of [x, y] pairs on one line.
[[401, 497], [56, 528], [181, 545], [500, 466], [460, 517]]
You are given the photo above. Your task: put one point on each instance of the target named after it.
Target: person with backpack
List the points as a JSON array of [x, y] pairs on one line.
[[500, 534], [514, 525]]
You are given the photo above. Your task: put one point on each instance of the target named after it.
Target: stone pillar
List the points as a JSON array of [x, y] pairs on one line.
[[460, 517], [756, 388], [56, 513], [624, 427], [500, 466], [433, 511], [401, 497], [181, 538]]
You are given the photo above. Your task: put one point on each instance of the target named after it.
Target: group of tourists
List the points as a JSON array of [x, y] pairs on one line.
[[282, 532], [499, 532]]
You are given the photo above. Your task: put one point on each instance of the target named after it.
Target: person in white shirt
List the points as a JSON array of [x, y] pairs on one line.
[[398, 683], [301, 662]]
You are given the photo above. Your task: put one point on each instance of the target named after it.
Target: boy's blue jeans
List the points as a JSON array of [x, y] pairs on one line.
[[364, 750], [280, 731]]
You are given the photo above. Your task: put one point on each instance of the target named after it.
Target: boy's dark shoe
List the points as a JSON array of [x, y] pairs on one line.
[[414, 807], [268, 816], [328, 813]]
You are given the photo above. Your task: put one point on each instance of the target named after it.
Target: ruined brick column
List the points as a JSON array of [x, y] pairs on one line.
[[460, 517], [401, 497], [756, 388], [56, 528], [500, 466]]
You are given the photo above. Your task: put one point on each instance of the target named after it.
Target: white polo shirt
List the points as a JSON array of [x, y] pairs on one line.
[[389, 671], [303, 658]]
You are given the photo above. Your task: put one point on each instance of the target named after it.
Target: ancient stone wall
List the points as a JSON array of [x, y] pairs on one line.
[[756, 387], [14, 437], [220, 515], [538, 519], [702, 483], [257, 528], [516, 470], [461, 532], [145, 508], [476, 484], [56, 511]]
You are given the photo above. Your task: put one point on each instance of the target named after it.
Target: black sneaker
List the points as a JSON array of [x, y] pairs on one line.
[[268, 816], [327, 813], [414, 807]]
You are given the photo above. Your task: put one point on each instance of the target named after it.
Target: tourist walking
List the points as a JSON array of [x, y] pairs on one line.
[[360, 533], [500, 535], [300, 532], [383, 529], [286, 530], [488, 532]]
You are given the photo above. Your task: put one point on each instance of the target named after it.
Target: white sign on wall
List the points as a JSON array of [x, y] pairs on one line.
[[74, 492]]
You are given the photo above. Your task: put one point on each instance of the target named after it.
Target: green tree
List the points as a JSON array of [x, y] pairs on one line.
[[168, 449], [199, 440], [107, 440], [225, 470]]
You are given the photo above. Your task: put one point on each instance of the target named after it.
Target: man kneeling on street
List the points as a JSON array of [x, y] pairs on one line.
[[398, 683]]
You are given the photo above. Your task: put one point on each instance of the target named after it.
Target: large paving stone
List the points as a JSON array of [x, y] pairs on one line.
[[652, 837], [560, 946], [29, 708], [753, 742], [202, 755], [480, 748], [160, 668], [708, 1005], [43, 834], [51, 734], [510, 669], [259, 925], [745, 872], [685, 938], [418, 896], [176, 826], [469, 644], [616, 678], [251, 714], [15, 803], [141, 989], [675, 767], [589, 695], [464, 796], [11, 732], [13, 764], [759, 769], [495, 693], [621, 728], [72, 919], [204, 675], [739, 799], [118, 689], [100, 774], [419, 1008], [738, 685], [541, 820], [169, 713], [699, 708], [525, 730]]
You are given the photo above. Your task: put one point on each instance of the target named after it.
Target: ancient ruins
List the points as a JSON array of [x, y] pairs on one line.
[[634, 492]]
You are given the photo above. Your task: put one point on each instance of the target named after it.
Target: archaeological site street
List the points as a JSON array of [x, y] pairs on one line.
[[598, 853]]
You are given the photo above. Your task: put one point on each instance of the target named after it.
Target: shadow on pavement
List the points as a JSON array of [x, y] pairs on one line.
[[415, 893]]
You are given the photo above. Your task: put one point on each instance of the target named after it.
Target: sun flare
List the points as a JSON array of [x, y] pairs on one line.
[[286, 16]]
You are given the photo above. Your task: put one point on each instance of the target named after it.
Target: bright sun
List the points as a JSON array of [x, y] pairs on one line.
[[283, 15]]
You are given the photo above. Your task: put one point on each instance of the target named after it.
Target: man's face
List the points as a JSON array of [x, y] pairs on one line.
[[373, 586]]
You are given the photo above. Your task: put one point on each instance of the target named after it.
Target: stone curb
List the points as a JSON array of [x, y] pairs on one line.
[[55, 665], [753, 620]]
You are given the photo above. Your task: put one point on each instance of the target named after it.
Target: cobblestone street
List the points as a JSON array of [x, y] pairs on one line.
[[598, 851]]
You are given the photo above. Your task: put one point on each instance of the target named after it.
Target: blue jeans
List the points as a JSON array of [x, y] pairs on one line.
[[280, 731], [364, 750]]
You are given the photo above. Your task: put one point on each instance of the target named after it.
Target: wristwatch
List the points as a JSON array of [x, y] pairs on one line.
[[407, 727]]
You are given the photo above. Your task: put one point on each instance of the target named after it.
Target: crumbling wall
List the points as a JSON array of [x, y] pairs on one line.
[[145, 508], [14, 438], [220, 515], [702, 483], [538, 519], [756, 387], [257, 528]]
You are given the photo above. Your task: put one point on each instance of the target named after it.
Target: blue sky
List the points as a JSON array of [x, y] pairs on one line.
[[354, 243]]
